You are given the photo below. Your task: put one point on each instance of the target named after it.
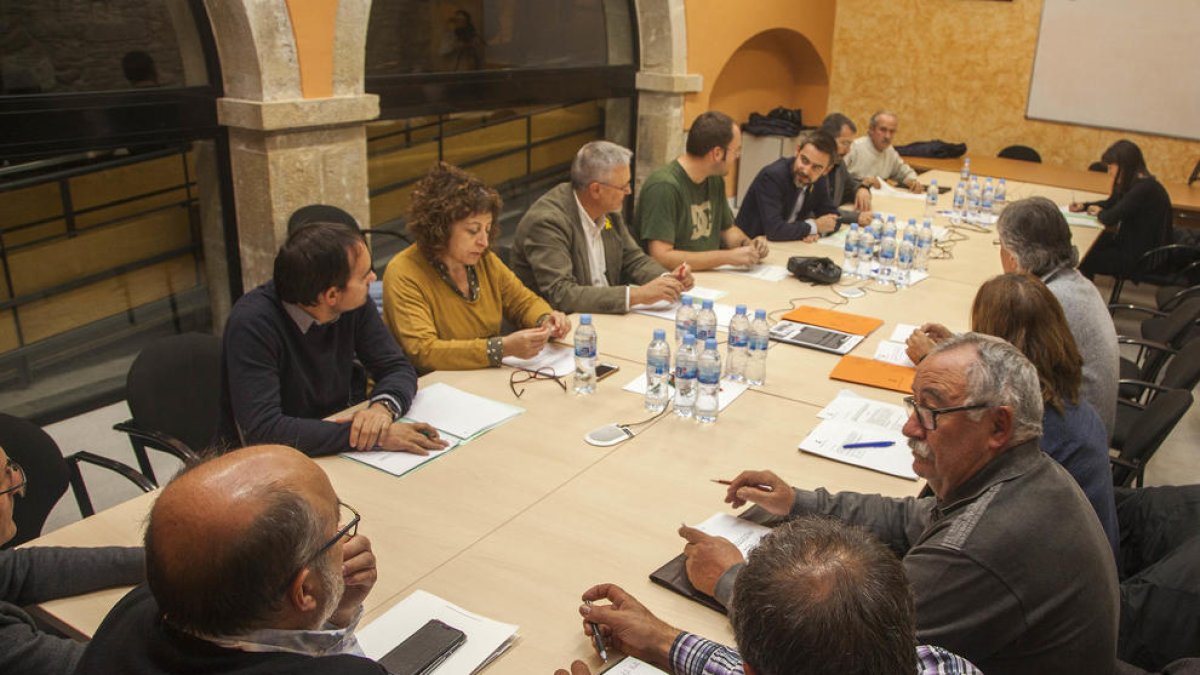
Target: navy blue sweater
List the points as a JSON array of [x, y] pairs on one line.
[[278, 384], [1077, 440]]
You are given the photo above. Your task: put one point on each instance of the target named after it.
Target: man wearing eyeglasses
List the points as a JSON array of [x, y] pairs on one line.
[[253, 566], [1009, 565], [572, 246], [39, 574]]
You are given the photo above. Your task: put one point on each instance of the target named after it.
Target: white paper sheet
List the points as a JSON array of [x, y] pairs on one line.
[[458, 413], [555, 356], [486, 638], [827, 439], [400, 463], [848, 406], [902, 331], [743, 533], [632, 666], [728, 393], [886, 190], [893, 352], [838, 239], [762, 272], [724, 313], [1081, 219]]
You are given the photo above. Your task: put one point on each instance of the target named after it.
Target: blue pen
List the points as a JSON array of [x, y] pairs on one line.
[[869, 444]]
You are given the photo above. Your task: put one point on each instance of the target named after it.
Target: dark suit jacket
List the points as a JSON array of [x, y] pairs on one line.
[[843, 187], [550, 256], [771, 198]]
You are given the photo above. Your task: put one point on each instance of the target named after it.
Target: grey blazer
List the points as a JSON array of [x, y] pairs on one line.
[[550, 256]]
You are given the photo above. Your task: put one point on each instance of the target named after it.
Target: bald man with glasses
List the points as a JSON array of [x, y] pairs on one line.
[[1009, 565], [39, 574], [254, 565]]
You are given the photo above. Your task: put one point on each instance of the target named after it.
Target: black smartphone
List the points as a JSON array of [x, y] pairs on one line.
[[603, 370], [424, 650]]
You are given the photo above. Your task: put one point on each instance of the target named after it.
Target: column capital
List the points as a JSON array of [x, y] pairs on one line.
[[297, 113]]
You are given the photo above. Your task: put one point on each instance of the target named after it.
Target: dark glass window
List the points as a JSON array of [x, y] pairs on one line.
[[96, 45], [424, 36]]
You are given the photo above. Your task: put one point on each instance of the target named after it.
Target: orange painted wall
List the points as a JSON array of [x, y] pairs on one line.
[[752, 58], [959, 70]]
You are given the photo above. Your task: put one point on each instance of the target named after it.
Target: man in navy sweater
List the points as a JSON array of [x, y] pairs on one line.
[[289, 350], [789, 198]]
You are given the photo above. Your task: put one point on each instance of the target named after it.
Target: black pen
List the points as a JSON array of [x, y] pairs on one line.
[[596, 638]]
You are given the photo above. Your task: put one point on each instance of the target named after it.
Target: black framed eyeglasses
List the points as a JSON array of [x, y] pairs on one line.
[[928, 416], [347, 531], [14, 476], [627, 188], [523, 376]]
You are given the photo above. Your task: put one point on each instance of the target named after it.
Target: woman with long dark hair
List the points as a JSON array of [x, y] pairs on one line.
[[1136, 216]]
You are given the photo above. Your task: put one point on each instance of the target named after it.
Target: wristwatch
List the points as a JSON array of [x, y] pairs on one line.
[[390, 405]]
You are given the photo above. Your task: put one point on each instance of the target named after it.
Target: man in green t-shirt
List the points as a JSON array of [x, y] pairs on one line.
[[682, 214]]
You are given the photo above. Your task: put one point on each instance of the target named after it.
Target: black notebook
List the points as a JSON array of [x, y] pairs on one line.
[[673, 575]]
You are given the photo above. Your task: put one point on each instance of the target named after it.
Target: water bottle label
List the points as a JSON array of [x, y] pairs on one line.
[[685, 373], [738, 340], [585, 351], [710, 378]]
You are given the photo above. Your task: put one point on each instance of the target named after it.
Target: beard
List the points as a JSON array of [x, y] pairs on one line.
[[919, 448], [334, 586]]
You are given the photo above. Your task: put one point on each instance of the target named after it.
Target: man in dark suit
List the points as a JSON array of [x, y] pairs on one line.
[[789, 199], [573, 249]]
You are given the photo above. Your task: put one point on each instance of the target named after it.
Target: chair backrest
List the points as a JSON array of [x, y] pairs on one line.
[[45, 469], [1150, 429], [1183, 370], [1021, 152], [1172, 328], [174, 386]]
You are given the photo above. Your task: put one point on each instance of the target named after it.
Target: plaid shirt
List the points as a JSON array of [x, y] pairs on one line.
[[694, 655]]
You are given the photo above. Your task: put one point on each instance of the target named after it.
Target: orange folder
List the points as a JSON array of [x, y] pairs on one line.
[[854, 324], [874, 373]]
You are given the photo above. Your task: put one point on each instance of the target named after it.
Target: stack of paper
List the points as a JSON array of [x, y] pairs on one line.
[[853, 419], [762, 271], [728, 392], [632, 666], [886, 190], [745, 535], [698, 295], [555, 357], [486, 639], [894, 349], [458, 417]]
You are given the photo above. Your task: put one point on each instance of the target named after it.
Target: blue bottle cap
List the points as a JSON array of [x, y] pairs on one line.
[[740, 309], [707, 304], [687, 300], [760, 313], [689, 339], [710, 343], [660, 334], [585, 319]]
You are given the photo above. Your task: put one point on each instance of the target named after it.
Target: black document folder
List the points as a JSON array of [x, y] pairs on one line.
[[673, 575]]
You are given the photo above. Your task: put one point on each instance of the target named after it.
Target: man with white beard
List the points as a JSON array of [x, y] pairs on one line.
[[1008, 563]]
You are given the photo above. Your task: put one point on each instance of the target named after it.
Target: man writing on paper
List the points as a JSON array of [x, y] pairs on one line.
[[789, 199], [573, 249], [254, 566], [37, 574], [852, 198], [815, 597], [289, 350], [872, 159], [682, 215], [1009, 565]]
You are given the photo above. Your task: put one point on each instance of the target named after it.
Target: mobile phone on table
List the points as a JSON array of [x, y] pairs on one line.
[[603, 370], [424, 650]]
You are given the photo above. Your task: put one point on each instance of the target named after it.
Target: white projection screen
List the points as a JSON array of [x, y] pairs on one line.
[[1121, 64]]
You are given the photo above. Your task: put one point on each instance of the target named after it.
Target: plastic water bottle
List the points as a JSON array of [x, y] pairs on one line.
[[658, 372], [986, 197], [924, 246], [850, 257], [708, 400], [960, 199], [965, 173], [973, 198], [585, 356], [931, 199], [739, 345], [706, 322], [904, 259], [866, 251], [760, 339], [910, 228], [685, 319], [685, 377], [887, 252], [889, 226], [1000, 200]]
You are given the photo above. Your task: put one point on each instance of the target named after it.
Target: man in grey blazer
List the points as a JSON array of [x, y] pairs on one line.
[[572, 246]]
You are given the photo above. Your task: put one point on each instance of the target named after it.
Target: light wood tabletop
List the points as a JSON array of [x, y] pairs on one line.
[[518, 522]]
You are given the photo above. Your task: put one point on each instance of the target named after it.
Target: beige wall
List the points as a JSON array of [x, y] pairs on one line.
[[959, 70]]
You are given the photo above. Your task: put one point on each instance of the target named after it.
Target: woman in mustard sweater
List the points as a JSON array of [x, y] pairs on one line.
[[445, 297]]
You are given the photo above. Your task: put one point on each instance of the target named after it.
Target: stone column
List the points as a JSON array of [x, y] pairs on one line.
[[296, 111], [662, 81]]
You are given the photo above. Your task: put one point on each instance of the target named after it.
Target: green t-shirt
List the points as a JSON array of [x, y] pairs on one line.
[[673, 208]]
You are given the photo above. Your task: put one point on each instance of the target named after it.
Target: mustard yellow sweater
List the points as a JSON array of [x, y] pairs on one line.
[[437, 327]]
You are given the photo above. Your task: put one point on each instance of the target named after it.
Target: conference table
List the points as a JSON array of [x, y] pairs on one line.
[[516, 523]]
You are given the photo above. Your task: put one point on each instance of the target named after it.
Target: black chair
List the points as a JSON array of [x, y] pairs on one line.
[[1163, 334], [48, 474], [174, 395], [1169, 265], [1152, 426], [1098, 167], [1169, 297], [1181, 372], [1021, 152]]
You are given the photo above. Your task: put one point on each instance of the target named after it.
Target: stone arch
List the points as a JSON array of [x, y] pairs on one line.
[[776, 67]]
